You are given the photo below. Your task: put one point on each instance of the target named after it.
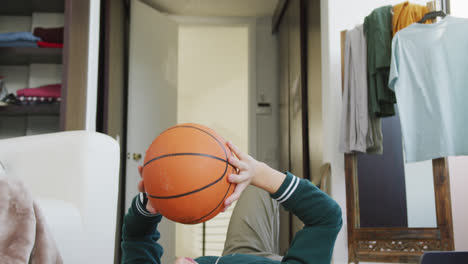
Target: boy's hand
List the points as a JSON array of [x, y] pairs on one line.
[[182, 260], [141, 188], [247, 170]]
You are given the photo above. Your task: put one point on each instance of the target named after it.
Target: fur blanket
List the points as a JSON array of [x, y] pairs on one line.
[[24, 236]]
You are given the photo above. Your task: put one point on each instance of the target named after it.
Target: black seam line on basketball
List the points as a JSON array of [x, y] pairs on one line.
[[187, 154], [221, 145], [222, 200], [194, 191], [187, 193]]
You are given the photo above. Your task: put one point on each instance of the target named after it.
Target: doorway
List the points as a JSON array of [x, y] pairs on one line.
[[213, 90], [185, 69]]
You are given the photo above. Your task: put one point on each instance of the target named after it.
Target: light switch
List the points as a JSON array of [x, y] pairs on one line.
[[264, 109]]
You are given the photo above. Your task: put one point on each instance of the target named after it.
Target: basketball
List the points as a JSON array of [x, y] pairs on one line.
[[185, 173]]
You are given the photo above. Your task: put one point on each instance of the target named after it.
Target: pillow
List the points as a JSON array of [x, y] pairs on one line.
[[66, 225]]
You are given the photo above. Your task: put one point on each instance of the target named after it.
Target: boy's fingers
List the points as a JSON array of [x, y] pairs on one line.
[[237, 163], [150, 208], [182, 260], [225, 208], [191, 261], [141, 186], [236, 150], [235, 195], [140, 170], [238, 178]]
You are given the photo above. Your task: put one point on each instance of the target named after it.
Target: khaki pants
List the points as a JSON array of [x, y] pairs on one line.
[[254, 225]]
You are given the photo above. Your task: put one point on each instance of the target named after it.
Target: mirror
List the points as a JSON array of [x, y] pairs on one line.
[[393, 193]]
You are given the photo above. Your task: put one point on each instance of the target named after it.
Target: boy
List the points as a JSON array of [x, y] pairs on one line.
[[320, 214]]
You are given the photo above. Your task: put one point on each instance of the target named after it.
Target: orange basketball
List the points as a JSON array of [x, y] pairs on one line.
[[185, 173]]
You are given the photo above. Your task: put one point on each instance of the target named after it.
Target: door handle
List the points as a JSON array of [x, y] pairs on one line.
[[136, 156]]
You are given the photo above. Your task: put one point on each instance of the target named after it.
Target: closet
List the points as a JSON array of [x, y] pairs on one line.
[[28, 67], [58, 63]]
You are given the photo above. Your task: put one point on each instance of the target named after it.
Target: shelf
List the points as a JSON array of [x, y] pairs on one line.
[[28, 55], [23, 110], [27, 7]]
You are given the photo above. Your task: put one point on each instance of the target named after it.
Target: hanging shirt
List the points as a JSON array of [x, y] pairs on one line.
[[359, 131], [429, 73], [405, 14], [378, 31]]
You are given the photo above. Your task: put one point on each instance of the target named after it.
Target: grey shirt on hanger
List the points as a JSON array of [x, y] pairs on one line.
[[360, 132]]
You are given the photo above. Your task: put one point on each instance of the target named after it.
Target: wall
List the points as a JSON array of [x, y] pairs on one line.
[[213, 79], [338, 15], [268, 80], [458, 168], [267, 91]]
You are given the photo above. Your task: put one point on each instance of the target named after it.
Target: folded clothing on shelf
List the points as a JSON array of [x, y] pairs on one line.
[[9, 99], [46, 91], [12, 99], [18, 36], [52, 35], [28, 100], [43, 44], [18, 39]]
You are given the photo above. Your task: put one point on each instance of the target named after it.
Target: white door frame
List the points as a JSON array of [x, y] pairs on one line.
[[251, 25]]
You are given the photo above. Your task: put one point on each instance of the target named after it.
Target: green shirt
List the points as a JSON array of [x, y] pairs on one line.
[[320, 214], [378, 31]]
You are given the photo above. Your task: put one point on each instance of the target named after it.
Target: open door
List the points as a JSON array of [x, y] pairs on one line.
[[152, 96]]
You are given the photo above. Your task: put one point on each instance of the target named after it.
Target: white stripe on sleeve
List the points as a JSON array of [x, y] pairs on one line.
[[143, 211], [287, 189], [291, 192]]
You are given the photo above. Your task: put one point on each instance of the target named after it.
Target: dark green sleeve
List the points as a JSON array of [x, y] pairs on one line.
[[321, 216], [140, 235]]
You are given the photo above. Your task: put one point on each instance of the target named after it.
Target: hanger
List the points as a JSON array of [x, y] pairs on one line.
[[432, 15]]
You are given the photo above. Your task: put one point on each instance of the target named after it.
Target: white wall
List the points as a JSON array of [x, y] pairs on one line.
[[213, 79], [338, 15], [93, 60], [267, 83], [458, 167]]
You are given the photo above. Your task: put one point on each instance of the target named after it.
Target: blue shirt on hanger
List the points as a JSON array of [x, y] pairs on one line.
[[429, 74]]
